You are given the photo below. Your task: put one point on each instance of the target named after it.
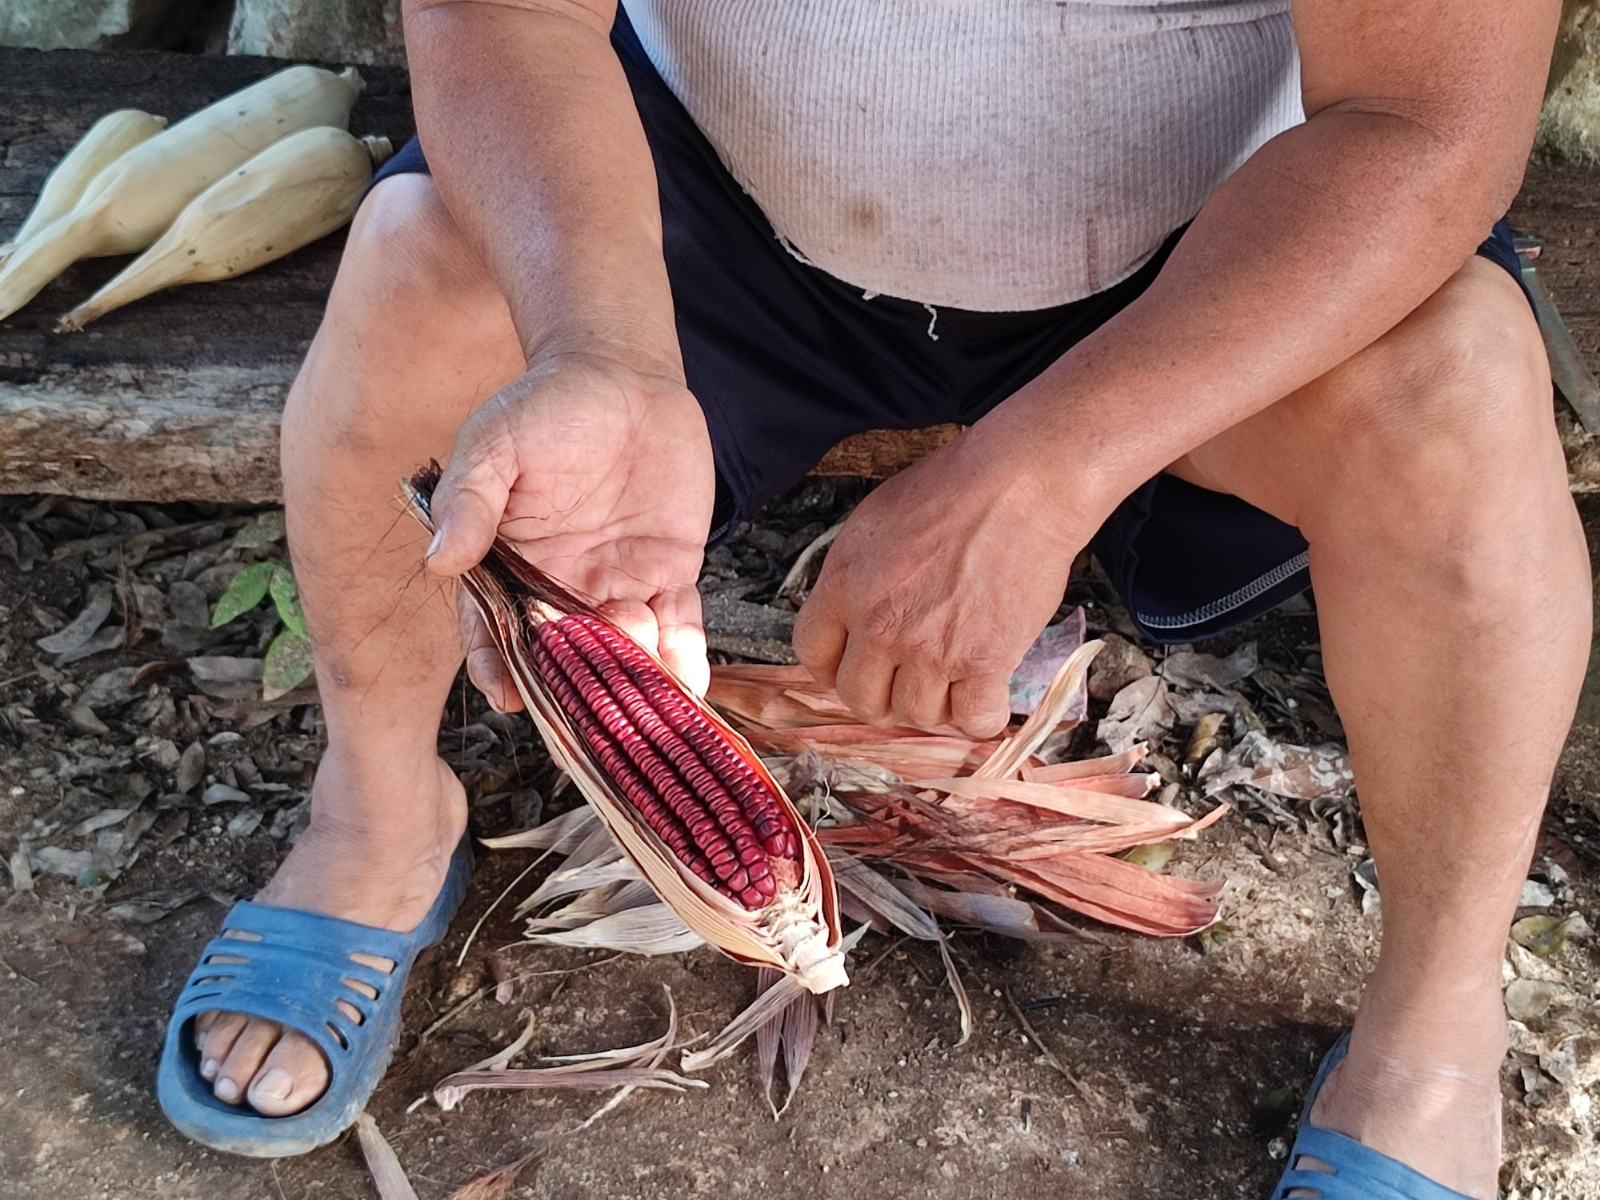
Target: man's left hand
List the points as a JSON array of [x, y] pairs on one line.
[[935, 589]]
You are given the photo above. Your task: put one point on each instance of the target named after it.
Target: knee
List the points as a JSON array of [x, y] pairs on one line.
[[1446, 421], [409, 305]]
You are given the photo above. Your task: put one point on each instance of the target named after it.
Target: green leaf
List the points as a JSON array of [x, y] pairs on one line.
[[286, 599], [1215, 936], [287, 665], [1542, 935], [266, 529], [1152, 856], [245, 591]]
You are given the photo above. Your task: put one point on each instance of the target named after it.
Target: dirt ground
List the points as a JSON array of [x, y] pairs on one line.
[[1187, 1060]]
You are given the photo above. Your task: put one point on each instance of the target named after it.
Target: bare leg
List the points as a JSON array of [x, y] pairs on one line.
[[414, 339], [1453, 587]]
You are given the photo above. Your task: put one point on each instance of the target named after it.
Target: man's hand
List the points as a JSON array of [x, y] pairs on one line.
[[603, 477], [935, 588]]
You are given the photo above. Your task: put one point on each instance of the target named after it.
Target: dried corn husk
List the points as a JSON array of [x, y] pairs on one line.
[[992, 817], [129, 203], [107, 140], [797, 931], [295, 191]]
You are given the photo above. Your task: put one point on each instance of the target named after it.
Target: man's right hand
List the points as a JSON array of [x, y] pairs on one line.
[[603, 478]]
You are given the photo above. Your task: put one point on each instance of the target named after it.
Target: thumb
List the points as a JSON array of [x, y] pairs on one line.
[[469, 502]]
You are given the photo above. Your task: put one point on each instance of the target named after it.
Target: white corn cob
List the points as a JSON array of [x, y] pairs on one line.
[[292, 193], [107, 140], [129, 203]]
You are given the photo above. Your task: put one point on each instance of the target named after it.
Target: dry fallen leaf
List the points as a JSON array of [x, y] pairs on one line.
[[1140, 712], [387, 1174]]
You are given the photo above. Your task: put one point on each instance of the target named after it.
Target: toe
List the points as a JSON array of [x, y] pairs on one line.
[[250, 1050], [217, 1041], [293, 1075]]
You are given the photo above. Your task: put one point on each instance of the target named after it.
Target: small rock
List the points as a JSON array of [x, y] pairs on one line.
[[1529, 999], [221, 793], [1530, 966], [1117, 665], [1536, 895], [83, 718], [1561, 1064], [191, 768]]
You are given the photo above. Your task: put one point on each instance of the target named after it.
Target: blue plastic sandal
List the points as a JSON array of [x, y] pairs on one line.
[[296, 964], [1350, 1170]]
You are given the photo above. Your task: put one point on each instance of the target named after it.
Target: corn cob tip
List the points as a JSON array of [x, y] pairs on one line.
[[380, 148], [818, 967]]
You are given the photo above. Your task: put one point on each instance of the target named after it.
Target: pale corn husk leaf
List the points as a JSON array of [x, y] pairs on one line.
[[649, 930], [769, 1004], [798, 932], [591, 906], [576, 876], [882, 898], [388, 1176], [769, 1037], [1045, 719], [497, 1184], [624, 1067], [799, 1038], [958, 989], [1067, 799], [559, 835], [1086, 768]]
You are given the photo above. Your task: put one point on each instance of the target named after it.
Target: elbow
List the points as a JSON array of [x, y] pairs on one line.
[[1464, 167]]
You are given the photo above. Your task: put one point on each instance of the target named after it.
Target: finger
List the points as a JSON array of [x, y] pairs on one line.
[[682, 639], [470, 499], [485, 666], [635, 618], [920, 696], [981, 707], [866, 678], [819, 639]]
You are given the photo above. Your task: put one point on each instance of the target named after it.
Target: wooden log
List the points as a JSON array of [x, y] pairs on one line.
[[180, 395]]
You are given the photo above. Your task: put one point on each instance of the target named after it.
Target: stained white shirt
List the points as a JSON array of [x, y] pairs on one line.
[[984, 154]]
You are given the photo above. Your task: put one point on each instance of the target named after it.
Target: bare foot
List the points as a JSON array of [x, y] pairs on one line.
[[376, 851], [1426, 1092]]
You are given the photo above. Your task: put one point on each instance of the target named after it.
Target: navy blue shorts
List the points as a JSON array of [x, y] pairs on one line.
[[787, 360]]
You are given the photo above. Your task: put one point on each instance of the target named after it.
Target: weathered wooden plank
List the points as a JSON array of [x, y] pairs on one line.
[[179, 396]]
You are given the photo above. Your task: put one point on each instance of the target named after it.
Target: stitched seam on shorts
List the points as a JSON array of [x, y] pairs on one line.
[[1233, 600]]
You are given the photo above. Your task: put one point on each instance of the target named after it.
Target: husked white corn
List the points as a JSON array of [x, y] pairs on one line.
[[129, 203], [108, 139], [292, 193]]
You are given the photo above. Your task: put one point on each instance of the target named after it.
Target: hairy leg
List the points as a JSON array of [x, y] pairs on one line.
[[415, 338], [1453, 587]]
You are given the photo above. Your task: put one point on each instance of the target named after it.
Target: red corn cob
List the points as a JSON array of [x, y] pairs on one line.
[[699, 796]]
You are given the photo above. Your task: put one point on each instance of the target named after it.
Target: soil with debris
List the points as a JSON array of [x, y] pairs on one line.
[[145, 784]]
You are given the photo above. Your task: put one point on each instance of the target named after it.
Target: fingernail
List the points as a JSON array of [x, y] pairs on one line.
[[227, 1090], [208, 1070], [275, 1085], [433, 546]]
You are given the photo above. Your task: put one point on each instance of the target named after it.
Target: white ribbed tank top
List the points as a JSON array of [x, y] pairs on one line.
[[984, 154]]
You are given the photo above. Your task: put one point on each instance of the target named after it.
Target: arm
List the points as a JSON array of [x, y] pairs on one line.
[[1419, 123], [1420, 117], [597, 461], [534, 141]]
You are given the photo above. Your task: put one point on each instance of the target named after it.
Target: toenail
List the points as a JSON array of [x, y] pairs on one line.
[[208, 1070], [274, 1085], [227, 1090]]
